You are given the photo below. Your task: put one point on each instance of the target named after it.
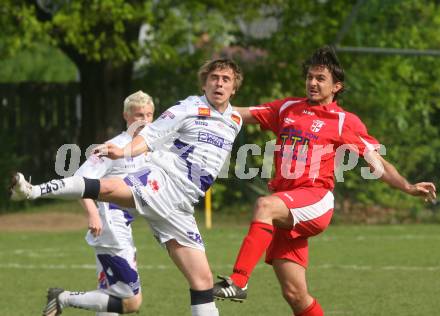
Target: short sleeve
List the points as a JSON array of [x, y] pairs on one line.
[[267, 114], [167, 124], [355, 135]]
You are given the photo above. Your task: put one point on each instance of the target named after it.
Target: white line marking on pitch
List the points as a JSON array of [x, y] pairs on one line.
[[215, 266]]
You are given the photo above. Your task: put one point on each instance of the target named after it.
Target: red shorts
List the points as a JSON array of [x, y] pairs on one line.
[[312, 210]]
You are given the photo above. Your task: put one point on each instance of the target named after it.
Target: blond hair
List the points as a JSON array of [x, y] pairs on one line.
[[137, 99]]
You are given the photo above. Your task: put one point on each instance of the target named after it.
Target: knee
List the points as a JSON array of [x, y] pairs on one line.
[[132, 304], [263, 207], [295, 296], [106, 187], [203, 281]]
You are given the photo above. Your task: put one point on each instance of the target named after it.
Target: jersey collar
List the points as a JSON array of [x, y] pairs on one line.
[[226, 112], [333, 106]]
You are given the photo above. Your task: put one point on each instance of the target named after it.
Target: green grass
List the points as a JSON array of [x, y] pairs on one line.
[[354, 270]]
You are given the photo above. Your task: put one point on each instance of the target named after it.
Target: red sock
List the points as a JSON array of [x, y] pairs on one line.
[[313, 310], [252, 248]]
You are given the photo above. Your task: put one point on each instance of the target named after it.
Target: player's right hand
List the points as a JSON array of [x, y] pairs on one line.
[[109, 150]]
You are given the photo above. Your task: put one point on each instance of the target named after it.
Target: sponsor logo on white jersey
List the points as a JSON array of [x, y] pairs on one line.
[[167, 114], [202, 123], [215, 140]]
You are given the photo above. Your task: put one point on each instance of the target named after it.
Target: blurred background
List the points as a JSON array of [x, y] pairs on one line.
[[66, 67]]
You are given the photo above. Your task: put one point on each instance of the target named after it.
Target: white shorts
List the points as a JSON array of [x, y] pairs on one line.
[[180, 226], [166, 208], [117, 271]]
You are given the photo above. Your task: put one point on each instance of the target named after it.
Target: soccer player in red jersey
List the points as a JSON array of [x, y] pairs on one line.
[[309, 132]]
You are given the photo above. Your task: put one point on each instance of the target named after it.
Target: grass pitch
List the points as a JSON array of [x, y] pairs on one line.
[[354, 270]]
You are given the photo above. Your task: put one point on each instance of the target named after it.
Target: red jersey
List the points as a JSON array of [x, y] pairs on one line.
[[307, 139]]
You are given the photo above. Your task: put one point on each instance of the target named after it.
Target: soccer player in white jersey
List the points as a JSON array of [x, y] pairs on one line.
[[110, 231], [188, 146]]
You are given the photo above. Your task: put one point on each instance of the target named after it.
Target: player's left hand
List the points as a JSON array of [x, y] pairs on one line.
[[109, 150], [95, 224], [426, 190]]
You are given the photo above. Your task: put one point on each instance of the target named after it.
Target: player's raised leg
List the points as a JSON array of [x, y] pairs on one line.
[[112, 190], [268, 210]]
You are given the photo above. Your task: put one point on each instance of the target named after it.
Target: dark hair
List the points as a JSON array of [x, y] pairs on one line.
[[326, 57], [221, 63]]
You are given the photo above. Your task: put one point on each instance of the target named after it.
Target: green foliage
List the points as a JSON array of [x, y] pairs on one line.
[[97, 30], [20, 28], [396, 96], [41, 63]]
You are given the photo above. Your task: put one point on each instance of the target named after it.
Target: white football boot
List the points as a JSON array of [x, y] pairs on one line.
[[20, 189]]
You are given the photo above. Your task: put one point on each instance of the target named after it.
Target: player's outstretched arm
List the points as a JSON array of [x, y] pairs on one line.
[[391, 176], [246, 115], [136, 147], [94, 221]]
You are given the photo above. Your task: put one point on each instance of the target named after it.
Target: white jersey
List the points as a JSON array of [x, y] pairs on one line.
[[116, 228], [198, 140]]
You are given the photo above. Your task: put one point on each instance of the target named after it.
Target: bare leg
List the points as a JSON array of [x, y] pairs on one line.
[[292, 278], [272, 210], [115, 190], [132, 304], [194, 266]]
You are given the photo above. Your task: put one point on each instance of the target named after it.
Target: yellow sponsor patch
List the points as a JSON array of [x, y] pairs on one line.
[[204, 112], [236, 118]]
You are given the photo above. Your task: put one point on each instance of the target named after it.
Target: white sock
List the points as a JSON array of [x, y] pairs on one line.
[[208, 309], [93, 300], [70, 188], [106, 314]]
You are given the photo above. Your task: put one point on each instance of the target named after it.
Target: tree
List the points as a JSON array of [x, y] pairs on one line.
[[397, 96], [103, 39]]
